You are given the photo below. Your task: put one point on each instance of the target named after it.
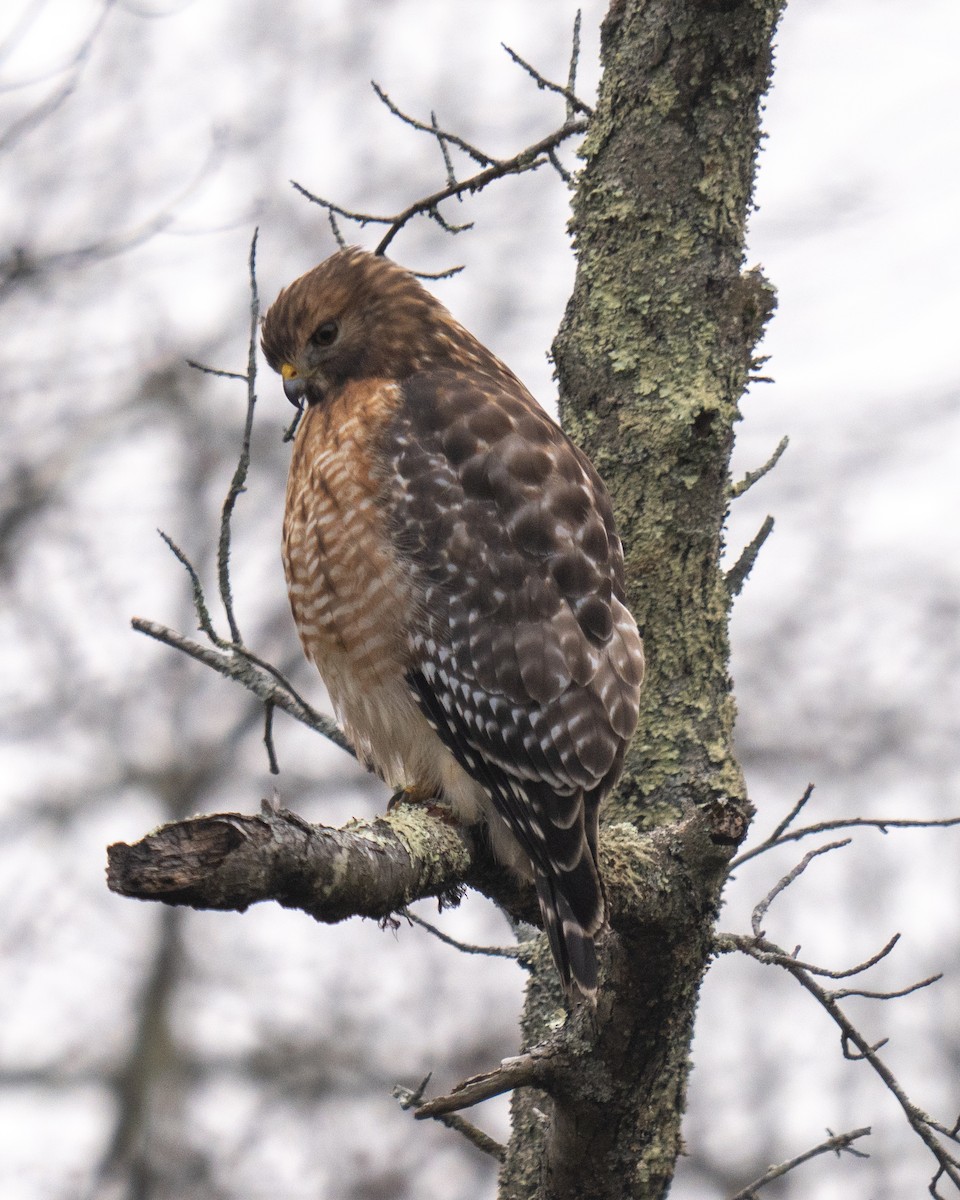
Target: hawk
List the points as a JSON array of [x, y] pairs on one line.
[[455, 574]]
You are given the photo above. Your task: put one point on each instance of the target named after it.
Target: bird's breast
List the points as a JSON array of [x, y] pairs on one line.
[[350, 594]]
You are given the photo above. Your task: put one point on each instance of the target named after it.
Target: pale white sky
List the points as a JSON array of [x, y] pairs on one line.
[[847, 652]]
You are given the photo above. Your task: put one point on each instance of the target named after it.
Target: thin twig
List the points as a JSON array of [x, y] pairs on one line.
[[574, 65], [291, 431], [270, 669], [434, 275], [752, 477], [444, 149], [844, 993], [738, 573], [243, 463], [199, 600], [335, 230], [761, 909], [529, 159], [513, 952], [267, 684], [793, 813], [729, 942], [838, 1143], [448, 226], [574, 103], [558, 166], [268, 707], [478, 156], [922, 1124], [881, 823], [198, 366]]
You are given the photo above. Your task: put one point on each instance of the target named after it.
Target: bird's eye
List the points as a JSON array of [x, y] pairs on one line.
[[326, 334]]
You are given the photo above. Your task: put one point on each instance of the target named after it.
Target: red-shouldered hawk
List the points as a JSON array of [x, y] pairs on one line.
[[455, 574]]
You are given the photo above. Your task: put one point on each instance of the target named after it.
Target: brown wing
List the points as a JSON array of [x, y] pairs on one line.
[[527, 663]]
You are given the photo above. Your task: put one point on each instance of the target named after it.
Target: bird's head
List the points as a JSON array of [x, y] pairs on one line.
[[355, 316]]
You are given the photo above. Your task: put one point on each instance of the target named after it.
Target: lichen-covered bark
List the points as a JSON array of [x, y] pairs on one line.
[[652, 358], [232, 860], [655, 349]]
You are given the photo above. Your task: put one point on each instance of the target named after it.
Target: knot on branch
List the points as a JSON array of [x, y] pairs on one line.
[[663, 879]]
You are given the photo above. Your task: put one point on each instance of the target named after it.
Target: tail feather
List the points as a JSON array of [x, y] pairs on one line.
[[571, 944]]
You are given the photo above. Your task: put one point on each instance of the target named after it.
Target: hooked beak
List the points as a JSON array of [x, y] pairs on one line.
[[294, 385]]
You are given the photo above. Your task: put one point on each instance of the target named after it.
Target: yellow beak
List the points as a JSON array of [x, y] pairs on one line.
[[294, 385]]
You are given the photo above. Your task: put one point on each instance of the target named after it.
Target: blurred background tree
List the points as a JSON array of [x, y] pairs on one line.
[[149, 1053]]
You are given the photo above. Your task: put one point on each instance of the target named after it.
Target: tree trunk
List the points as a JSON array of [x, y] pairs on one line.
[[652, 357]]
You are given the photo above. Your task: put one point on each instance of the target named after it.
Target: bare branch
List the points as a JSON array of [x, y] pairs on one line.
[[560, 169], [531, 1069], [926, 1128], [574, 62], [780, 837], [444, 149], [483, 1141], [738, 573], [268, 708], [529, 159], [198, 366], [335, 230], [447, 226], [837, 1143], [447, 274], [728, 942], [794, 812], [881, 823], [199, 599], [753, 477], [291, 431]]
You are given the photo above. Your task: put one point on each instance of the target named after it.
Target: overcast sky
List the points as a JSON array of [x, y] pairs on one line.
[[174, 133]]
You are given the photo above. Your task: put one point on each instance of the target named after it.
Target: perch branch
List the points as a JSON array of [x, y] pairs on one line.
[[230, 861]]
